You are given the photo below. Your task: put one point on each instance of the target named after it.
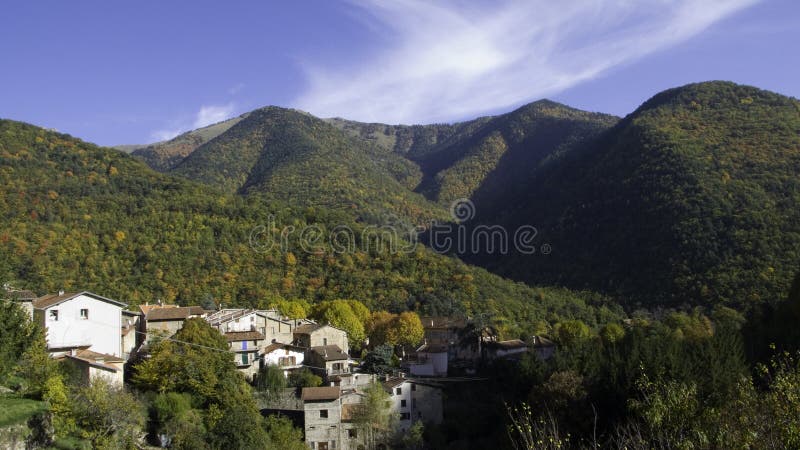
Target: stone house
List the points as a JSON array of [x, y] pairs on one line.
[[245, 346], [267, 322], [330, 411], [322, 413], [167, 320], [328, 360], [320, 335]]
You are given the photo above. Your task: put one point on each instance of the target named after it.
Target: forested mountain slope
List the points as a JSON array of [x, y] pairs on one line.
[[163, 156], [294, 157], [78, 216], [693, 198]]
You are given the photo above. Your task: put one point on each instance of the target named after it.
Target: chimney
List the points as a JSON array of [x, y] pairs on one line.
[[60, 292], [72, 352], [386, 377], [332, 384]]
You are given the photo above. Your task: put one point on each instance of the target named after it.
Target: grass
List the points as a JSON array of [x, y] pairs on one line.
[[15, 410]]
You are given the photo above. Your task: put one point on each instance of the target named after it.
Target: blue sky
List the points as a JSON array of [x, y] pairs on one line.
[[137, 72]]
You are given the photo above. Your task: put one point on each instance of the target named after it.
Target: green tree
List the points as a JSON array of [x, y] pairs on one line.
[[108, 416], [16, 335], [341, 314], [36, 366], [406, 329], [612, 333], [283, 435], [304, 378], [572, 332], [379, 360], [374, 416], [270, 380], [173, 416]]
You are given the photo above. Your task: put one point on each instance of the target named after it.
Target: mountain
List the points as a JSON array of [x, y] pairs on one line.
[[693, 198], [455, 161], [292, 156], [690, 199], [163, 156], [78, 216]]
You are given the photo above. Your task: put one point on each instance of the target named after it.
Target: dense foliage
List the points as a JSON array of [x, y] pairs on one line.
[[294, 157], [163, 156], [691, 199], [76, 216]]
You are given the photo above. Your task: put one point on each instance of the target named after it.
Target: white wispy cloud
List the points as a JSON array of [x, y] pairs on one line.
[[451, 59], [206, 115], [212, 114]]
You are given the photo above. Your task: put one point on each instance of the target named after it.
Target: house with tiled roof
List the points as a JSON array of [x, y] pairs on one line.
[[80, 321], [331, 412], [286, 356], [319, 335], [90, 365], [328, 360], [166, 320], [245, 346], [266, 321]]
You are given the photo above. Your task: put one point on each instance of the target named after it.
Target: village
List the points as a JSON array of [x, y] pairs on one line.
[[100, 337]]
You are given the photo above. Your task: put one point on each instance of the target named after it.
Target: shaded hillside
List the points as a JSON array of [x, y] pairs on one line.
[[294, 157], [693, 198], [163, 156], [78, 216], [489, 163]]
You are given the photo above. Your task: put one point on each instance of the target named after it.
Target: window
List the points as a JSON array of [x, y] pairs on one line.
[[398, 391], [405, 416], [413, 403], [324, 341], [333, 445], [352, 433], [413, 387], [323, 413], [84, 314], [402, 403], [252, 318], [53, 315]]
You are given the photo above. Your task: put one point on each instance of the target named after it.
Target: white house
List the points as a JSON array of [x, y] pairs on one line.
[[431, 361], [286, 356], [80, 320], [414, 401]]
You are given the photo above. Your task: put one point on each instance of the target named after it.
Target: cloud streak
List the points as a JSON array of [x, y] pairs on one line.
[[449, 60], [205, 116]]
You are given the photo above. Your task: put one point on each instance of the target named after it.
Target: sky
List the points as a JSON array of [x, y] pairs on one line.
[[139, 72]]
